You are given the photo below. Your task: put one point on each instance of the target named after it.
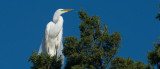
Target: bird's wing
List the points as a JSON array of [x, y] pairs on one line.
[[47, 36], [44, 44]]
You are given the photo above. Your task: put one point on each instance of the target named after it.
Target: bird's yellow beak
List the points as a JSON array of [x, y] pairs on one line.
[[66, 10]]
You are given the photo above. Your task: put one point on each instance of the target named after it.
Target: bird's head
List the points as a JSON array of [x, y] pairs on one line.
[[61, 11]]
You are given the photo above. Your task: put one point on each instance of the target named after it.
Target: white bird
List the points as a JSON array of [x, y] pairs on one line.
[[52, 41]]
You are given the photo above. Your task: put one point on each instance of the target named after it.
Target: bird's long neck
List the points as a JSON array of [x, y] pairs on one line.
[[55, 17]]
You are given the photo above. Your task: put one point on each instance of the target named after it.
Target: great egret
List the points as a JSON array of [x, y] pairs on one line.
[[52, 41]]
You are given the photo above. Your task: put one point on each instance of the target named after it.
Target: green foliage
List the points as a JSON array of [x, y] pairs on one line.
[[78, 67], [45, 61], [154, 56], [122, 63], [96, 47]]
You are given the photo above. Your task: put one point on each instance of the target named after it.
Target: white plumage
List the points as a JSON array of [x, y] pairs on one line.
[[52, 41]]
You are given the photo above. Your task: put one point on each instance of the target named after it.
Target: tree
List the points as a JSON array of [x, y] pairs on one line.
[[45, 61], [122, 63], [154, 56], [96, 47]]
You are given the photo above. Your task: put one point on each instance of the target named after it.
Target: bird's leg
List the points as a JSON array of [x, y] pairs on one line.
[[48, 66], [56, 49], [47, 49]]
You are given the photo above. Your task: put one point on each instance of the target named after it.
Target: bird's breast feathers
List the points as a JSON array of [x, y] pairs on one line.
[[53, 29]]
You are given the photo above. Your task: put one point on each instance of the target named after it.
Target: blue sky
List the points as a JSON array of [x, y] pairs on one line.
[[22, 25]]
